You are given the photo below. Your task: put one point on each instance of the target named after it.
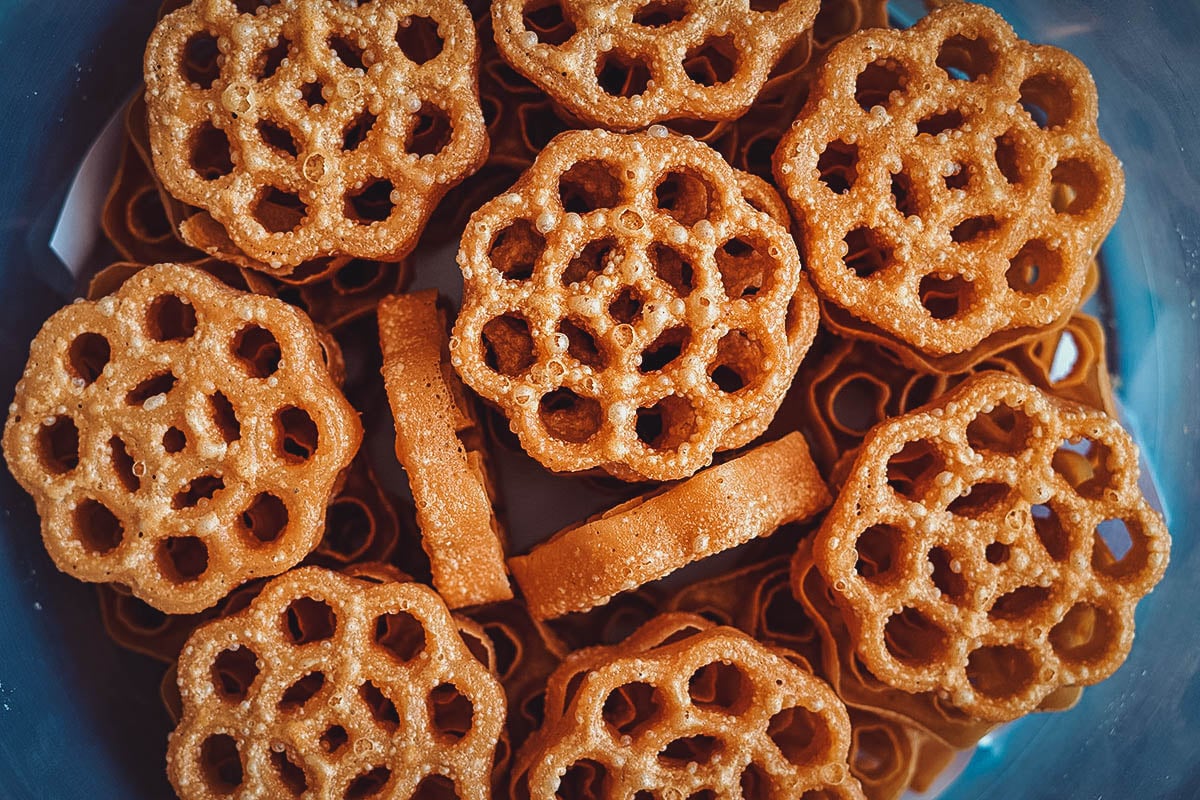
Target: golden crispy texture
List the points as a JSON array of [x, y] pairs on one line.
[[337, 687], [179, 437], [992, 547], [629, 64], [656, 534], [950, 185], [312, 128], [628, 308], [440, 446], [680, 708]]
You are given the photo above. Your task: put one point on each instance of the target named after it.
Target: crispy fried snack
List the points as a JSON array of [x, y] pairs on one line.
[[656, 534], [311, 128], [627, 307], [179, 437], [339, 687], [440, 446], [950, 185], [682, 709], [629, 64], [992, 547]]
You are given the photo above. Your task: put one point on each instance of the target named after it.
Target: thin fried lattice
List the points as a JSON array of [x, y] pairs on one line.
[[992, 547], [311, 128], [179, 437], [627, 307]]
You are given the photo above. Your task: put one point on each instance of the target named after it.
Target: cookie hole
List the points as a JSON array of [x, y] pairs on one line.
[[198, 491], [632, 708], [755, 783], [673, 268], [800, 735], [1034, 269], [290, 775], [667, 424], [224, 418], [745, 266], [312, 94], [658, 13], [738, 362], [154, 386], [589, 185], [621, 74], [357, 131], [903, 196], [596, 256], [515, 250], [182, 559], [271, 60], [584, 779], [300, 692], [58, 446], [966, 59], [508, 345], [371, 203], [698, 750], [265, 518], [419, 40], [959, 179], [259, 352], [1047, 99], [98, 529], [332, 739], [943, 122], [1119, 548], [946, 298], [685, 195], [382, 710], [451, 712], [857, 404], [401, 634], [866, 253], [1000, 671], [1050, 532], [210, 157], [123, 465], [664, 350], [974, 229], [371, 783], [200, 60], [568, 416], [1074, 187], [1008, 159], [1085, 634], [431, 132], [1084, 464], [913, 639], [550, 21], [879, 548], [87, 356], [347, 52], [997, 553], [220, 764], [581, 345], [296, 435], [277, 138], [721, 687], [912, 469], [713, 62], [947, 575], [1003, 430], [877, 82], [278, 211], [626, 308], [233, 673], [1022, 603], [439, 787], [835, 21], [170, 319], [838, 166], [308, 620], [980, 500]]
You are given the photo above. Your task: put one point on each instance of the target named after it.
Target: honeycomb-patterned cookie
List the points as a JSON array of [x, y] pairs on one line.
[[334, 687], [308, 128], [950, 184], [628, 307], [992, 547], [179, 437], [629, 64], [684, 708]]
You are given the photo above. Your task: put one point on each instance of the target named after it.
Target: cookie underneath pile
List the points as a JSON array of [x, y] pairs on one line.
[[783, 288]]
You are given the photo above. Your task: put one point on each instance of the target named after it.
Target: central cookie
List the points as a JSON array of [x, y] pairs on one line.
[[627, 307]]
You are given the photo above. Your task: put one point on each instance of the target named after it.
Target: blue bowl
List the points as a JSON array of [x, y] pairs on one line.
[[80, 718]]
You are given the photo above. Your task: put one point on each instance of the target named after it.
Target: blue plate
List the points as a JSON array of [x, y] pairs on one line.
[[79, 718]]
